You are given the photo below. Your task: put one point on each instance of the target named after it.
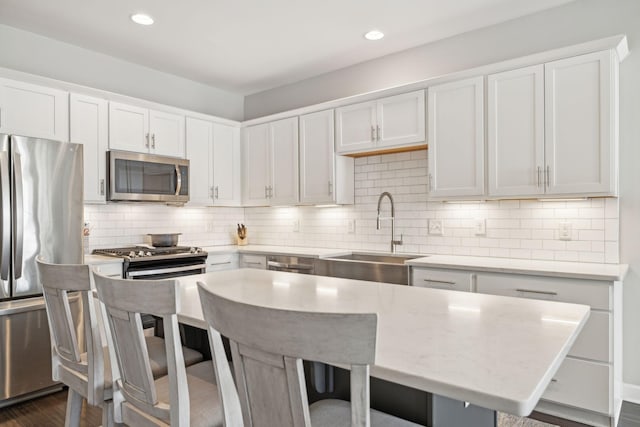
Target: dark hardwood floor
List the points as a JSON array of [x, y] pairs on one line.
[[47, 411]]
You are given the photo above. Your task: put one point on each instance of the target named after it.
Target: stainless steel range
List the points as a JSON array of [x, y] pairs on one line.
[[143, 262]]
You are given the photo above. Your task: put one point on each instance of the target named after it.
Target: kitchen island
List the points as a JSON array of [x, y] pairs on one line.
[[492, 351]]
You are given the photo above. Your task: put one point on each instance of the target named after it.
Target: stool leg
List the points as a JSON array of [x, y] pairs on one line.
[[74, 407]]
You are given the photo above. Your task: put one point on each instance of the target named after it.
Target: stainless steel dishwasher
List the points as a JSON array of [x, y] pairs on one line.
[[291, 264]]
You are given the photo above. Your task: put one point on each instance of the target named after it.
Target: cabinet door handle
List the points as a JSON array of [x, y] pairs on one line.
[[548, 173], [153, 141], [266, 192], [220, 263], [443, 282], [430, 185], [215, 192], [373, 134], [538, 176], [146, 144], [377, 133], [330, 188], [531, 291], [102, 187]]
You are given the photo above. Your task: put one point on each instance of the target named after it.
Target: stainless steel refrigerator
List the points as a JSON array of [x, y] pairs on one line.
[[41, 212]]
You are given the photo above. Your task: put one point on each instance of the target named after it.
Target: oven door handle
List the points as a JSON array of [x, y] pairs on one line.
[[143, 273], [289, 266]]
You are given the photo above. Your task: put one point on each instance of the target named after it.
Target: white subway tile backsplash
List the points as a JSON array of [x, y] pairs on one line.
[[525, 229], [514, 228]]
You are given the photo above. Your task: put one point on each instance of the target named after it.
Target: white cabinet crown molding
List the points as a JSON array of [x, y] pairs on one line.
[[617, 42]]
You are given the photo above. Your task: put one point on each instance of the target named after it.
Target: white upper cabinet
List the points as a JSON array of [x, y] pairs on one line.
[[199, 140], [324, 177], [580, 125], [387, 122], [257, 155], [142, 130], [89, 127], [515, 129], [213, 151], [456, 139], [227, 178], [32, 110], [401, 119], [284, 162], [271, 163], [167, 133]]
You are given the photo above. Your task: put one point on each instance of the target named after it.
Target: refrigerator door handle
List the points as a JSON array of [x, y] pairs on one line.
[[5, 239], [18, 220]]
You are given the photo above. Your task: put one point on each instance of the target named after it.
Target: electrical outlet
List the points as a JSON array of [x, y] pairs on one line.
[[435, 227], [564, 231], [351, 226], [295, 225], [480, 227]]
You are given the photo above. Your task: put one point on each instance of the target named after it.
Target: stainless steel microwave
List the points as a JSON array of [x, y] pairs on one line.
[[139, 177]]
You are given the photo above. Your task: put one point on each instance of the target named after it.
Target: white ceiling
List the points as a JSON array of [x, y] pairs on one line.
[[247, 46]]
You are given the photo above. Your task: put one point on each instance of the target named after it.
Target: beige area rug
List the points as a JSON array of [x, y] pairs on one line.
[[507, 420]]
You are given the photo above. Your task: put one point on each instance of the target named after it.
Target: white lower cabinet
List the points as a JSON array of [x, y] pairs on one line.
[[442, 279], [586, 387], [253, 261], [582, 384], [220, 262], [110, 269]]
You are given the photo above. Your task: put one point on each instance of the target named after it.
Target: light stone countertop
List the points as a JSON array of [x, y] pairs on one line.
[[577, 270], [278, 250], [101, 259], [493, 351]]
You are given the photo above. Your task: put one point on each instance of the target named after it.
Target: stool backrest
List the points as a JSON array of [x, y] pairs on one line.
[[268, 346], [84, 375], [124, 301]]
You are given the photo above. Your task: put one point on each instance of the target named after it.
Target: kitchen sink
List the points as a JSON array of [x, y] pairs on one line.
[[380, 267], [380, 258]]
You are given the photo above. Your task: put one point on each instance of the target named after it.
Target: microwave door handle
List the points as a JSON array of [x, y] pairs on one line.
[[178, 180], [18, 221], [6, 216]]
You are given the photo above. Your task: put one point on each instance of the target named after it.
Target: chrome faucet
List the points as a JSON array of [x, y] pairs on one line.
[[392, 218]]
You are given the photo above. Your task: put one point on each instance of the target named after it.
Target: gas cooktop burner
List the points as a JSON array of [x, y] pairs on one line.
[[137, 252]]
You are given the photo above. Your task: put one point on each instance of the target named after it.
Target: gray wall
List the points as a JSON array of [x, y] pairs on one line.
[[573, 23], [35, 54]]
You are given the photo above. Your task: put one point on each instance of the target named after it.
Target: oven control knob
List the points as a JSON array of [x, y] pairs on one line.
[[148, 253], [132, 254], [141, 253], [193, 250]]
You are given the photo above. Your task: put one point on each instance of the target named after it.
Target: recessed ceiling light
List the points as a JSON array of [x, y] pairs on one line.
[[142, 19], [374, 35]]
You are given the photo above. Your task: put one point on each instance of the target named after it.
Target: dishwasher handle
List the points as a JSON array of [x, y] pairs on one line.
[[276, 265]]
